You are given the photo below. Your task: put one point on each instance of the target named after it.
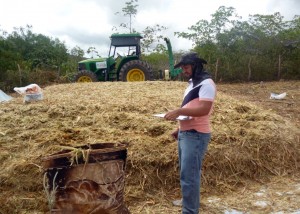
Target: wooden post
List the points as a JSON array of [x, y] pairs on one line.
[[279, 67], [217, 68], [20, 74], [249, 69]]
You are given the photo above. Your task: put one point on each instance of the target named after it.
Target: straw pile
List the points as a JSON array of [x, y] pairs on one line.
[[248, 143]]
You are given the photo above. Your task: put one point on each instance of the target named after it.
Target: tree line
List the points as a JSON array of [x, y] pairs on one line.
[[26, 57], [262, 48]]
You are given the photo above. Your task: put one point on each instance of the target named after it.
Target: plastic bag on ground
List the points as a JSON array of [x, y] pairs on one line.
[[30, 89], [278, 96], [4, 97], [32, 92]]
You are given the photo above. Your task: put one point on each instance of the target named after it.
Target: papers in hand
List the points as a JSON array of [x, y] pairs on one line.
[[178, 118]]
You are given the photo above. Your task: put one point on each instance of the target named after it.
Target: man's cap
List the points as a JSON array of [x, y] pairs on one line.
[[190, 59]]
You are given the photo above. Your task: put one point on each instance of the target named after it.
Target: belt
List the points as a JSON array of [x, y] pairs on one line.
[[191, 130]]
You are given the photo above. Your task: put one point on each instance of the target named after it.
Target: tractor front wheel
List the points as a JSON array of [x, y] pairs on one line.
[[86, 76], [135, 70]]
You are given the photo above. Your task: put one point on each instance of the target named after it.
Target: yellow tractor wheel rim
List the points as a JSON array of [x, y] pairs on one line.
[[135, 75], [84, 79]]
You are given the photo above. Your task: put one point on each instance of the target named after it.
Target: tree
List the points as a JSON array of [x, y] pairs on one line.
[[290, 41], [262, 48], [27, 57], [8, 57], [268, 28], [77, 52], [37, 49], [152, 40], [152, 35], [129, 10], [92, 50], [210, 36], [70, 67]]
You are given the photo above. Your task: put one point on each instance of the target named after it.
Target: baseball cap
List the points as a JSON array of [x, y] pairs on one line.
[[190, 59]]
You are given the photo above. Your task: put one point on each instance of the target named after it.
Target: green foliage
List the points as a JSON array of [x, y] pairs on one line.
[[27, 57], [263, 48], [40, 50], [159, 63], [153, 38], [93, 51], [130, 9]]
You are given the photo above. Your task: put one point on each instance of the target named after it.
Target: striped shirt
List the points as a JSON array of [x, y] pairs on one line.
[[205, 91]]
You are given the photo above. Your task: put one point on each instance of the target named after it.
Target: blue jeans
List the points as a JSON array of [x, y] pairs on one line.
[[192, 146]]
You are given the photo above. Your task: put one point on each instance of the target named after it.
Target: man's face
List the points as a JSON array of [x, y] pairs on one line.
[[187, 70]]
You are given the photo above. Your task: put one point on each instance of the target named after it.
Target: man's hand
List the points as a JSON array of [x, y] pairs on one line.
[[172, 115]]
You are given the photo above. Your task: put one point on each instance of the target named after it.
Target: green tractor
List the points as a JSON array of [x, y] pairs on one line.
[[123, 63]]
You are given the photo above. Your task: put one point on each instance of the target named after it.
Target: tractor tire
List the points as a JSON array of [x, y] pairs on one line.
[[86, 76], [136, 70]]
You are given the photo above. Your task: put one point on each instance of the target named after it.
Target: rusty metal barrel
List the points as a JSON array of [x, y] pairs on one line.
[[86, 179]]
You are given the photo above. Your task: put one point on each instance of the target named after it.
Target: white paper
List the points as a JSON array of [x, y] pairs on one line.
[[178, 118]]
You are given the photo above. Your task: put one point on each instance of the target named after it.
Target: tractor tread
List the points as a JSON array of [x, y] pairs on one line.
[[144, 66]]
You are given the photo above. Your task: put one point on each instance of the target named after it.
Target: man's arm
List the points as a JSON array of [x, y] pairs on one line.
[[201, 109]]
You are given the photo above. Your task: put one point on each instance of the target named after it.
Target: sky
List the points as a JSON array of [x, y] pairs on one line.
[[89, 23]]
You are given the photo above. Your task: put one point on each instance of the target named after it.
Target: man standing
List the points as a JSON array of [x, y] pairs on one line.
[[194, 133]]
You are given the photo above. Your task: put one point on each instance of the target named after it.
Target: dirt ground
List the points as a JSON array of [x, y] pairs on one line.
[[280, 196], [259, 93]]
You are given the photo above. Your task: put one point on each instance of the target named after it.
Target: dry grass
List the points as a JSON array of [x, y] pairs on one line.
[[249, 144]]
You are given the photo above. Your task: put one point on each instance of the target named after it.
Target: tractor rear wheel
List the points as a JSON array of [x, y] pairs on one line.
[[135, 70], [86, 76]]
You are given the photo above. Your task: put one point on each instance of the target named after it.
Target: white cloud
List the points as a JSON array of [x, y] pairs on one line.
[[89, 23]]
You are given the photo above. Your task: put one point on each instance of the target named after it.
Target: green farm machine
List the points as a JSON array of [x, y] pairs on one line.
[[123, 63]]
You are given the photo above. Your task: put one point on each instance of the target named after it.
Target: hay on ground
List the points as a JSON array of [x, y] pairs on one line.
[[248, 143]]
